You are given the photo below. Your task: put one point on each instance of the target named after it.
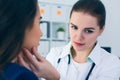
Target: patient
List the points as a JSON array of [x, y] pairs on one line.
[[19, 33], [19, 28]]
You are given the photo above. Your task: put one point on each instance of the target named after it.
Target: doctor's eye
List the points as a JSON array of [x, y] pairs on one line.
[[88, 31], [74, 27]]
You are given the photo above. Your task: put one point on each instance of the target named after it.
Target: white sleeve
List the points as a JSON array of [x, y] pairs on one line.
[[111, 71]]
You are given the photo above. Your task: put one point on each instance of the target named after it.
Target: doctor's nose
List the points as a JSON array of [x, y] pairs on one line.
[[80, 36]]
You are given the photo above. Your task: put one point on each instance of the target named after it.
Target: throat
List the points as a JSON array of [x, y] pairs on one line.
[[80, 59], [80, 56]]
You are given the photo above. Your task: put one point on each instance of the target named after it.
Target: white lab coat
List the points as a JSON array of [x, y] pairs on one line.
[[107, 65]]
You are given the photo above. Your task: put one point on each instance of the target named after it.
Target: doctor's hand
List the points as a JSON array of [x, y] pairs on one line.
[[39, 65]]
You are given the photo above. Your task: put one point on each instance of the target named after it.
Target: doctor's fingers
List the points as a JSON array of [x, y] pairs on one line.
[[37, 70], [37, 66], [34, 69], [32, 58], [37, 55], [21, 60], [28, 65]]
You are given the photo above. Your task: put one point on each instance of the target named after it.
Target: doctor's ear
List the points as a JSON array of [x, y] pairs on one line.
[[102, 30]]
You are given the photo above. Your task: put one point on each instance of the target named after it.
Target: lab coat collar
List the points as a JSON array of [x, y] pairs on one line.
[[95, 54], [66, 50]]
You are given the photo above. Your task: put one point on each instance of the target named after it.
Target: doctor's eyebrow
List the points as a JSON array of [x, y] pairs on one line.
[[90, 28], [85, 28], [73, 24]]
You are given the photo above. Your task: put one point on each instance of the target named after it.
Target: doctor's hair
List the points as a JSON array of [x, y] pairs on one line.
[[16, 16], [93, 7]]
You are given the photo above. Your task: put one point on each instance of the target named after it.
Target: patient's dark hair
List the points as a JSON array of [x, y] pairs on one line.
[[15, 17]]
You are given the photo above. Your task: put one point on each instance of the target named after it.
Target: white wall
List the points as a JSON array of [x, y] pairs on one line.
[[111, 35], [65, 2]]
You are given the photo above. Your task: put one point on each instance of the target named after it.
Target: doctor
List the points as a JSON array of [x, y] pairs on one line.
[[83, 58]]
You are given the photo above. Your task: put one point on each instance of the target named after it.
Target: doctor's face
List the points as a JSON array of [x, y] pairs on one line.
[[84, 30]]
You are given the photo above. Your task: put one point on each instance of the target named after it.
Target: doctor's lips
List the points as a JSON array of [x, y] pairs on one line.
[[79, 44]]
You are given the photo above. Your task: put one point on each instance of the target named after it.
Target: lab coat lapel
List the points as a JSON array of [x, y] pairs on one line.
[[63, 67]]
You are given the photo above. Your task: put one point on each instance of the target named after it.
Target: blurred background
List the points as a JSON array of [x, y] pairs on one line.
[[55, 20]]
